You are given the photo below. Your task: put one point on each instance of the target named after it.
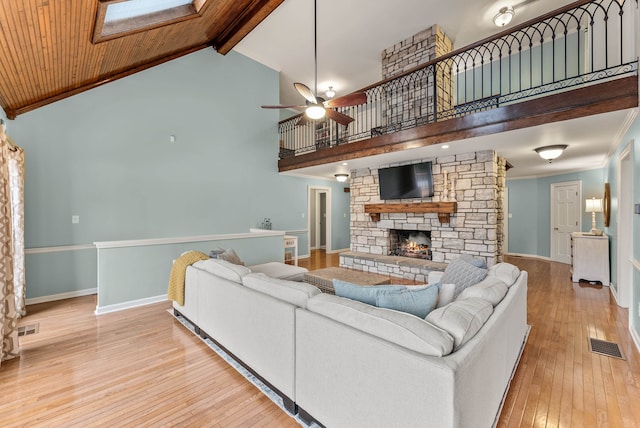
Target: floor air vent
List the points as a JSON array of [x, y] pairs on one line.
[[26, 330], [602, 347]]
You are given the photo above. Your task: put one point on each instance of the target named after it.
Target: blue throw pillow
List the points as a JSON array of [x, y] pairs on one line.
[[477, 262], [363, 293], [418, 301]]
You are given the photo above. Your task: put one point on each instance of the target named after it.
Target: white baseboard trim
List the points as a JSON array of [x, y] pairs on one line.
[[129, 305], [342, 250], [635, 337], [61, 296], [531, 256]]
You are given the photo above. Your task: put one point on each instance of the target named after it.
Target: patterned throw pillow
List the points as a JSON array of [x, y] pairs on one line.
[[462, 274]]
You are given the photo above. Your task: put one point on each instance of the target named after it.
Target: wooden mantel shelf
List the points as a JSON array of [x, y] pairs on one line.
[[443, 209]]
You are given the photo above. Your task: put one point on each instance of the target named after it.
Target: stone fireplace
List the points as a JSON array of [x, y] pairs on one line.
[[410, 243], [475, 227]]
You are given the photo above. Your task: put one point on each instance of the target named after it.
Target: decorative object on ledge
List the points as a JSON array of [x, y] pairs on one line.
[[443, 209], [551, 152], [606, 204], [593, 206], [341, 177]]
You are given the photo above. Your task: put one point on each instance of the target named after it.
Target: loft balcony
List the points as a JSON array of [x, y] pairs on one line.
[[576, 61]]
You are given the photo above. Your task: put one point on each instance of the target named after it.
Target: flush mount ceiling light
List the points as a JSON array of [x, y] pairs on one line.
[[342, 177], [504, 16], [330, 93], [551, 152]]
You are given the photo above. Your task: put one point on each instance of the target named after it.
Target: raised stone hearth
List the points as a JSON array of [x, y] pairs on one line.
[[400, 267]]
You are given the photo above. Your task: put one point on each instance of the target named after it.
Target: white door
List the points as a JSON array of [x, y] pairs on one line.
[[565, 218]]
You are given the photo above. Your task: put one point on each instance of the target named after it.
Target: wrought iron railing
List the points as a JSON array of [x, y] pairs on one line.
[[584, 43]]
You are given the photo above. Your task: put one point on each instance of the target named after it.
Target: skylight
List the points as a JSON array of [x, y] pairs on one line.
[[118, 18], [138, 8]]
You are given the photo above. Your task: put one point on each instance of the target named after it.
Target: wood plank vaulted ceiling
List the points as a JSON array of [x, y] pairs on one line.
[[47, 50]]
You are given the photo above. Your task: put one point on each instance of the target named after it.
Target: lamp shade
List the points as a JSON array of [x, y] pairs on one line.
[[593, 205]]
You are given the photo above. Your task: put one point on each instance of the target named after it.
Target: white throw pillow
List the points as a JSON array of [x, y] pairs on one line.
[[445, 296], [223, 269], [462, 319]]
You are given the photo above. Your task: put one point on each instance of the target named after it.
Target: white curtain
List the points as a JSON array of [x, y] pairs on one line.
[[16, 185], [8, 315]]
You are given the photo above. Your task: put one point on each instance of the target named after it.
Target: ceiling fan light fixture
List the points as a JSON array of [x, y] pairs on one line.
[[342, 177], [551, 152], [504, 16], [315, 111]]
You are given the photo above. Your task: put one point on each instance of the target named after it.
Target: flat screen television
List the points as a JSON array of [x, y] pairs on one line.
[[406, 181]]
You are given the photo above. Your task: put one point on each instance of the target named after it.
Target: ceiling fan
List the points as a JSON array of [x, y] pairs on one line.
[[317, 107], [506, 13]]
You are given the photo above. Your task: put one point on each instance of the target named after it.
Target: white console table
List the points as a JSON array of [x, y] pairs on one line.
[[292, 242], [589, 258]]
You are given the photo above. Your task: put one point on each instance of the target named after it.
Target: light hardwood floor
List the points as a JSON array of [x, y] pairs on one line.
[[142, 368]]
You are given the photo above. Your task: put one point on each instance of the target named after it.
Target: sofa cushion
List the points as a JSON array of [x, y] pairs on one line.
[[224, 269], [445, 296], [462, 319], [491, 289], [280, 270], [463, 274], [296, 293], [397, 327], [362, 293], [507, 272], [418, 301]]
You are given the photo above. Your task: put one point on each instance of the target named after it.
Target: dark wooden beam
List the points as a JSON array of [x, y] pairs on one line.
[[605, 97]]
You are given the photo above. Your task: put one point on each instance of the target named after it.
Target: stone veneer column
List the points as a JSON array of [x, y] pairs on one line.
[[476, 227], [411, 52]]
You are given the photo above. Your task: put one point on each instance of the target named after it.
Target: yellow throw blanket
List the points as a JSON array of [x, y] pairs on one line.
[[178, 273]]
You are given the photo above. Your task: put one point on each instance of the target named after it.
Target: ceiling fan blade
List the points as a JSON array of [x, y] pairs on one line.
[[523, 3], [305, 92], [349, 100], [297, 107], [342, 119]]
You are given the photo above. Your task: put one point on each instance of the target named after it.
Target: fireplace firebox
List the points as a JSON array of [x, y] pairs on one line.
[[410, 243]]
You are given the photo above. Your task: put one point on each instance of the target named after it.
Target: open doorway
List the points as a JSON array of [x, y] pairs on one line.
[[319, 218], [622, 287]]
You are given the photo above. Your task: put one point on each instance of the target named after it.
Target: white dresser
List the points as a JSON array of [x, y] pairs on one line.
[[589, 258]]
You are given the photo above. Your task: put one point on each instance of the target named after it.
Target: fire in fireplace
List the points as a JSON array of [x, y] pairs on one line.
[[410, 243]]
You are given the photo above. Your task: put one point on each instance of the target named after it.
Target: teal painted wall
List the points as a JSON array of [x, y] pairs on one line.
[[522, 193], [105, 155], [530, 204]]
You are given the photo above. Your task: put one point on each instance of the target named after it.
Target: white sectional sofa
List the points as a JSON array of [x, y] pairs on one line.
[[343, 363]]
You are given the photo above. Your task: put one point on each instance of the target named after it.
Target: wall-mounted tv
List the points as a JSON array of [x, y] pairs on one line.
[[406, 181]]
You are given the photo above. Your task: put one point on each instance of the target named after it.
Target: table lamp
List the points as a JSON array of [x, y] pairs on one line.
[[594, 206]]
